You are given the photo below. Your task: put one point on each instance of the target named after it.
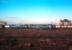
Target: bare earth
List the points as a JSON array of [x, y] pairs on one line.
[[36, 39]]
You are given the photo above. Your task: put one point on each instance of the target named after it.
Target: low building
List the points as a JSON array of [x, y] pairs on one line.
[[43, 26], [2, 24]]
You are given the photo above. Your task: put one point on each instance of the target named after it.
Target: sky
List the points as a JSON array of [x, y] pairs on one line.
[[35, 11]]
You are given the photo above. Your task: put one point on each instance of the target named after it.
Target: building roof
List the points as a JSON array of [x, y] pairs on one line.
[[3, 23]]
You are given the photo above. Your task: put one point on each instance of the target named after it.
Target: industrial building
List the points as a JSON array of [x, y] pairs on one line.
[[2, 24]]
